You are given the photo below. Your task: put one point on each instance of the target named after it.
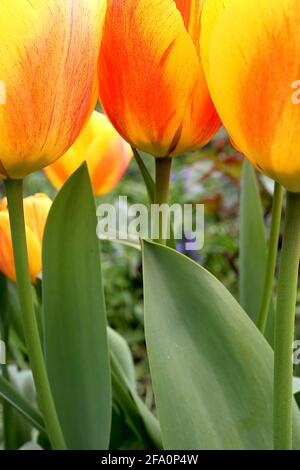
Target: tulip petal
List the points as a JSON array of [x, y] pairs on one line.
[[191, 14], [36, 210], [106, 153], [148, 69], [49, 53], [6, 250], [59, 171], [251, 67], [107, 171], [201, 121]]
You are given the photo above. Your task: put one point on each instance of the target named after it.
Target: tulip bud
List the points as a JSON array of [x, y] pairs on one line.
[[48, 76], [152, 84], [36, 209], [106, 153], [250, 52]]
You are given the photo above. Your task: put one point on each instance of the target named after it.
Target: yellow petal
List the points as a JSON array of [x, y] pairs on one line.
[[36, 210], [106, 153], [251, 55], [108, 167], [6, 250], [49, 53]]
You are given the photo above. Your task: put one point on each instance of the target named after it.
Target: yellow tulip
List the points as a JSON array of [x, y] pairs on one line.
[[152, 84], [48, 78], [36, 209], [106, 153], [251, 56]]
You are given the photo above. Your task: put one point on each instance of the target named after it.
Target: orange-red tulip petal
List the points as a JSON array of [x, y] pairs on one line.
[[152, 84]]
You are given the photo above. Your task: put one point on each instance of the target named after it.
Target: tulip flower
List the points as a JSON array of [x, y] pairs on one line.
[[48, 78], [250, 53], [36, 210], [106, 153], [152, 85]]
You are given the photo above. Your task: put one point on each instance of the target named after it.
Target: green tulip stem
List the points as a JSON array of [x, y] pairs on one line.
[[272, 256], [14, 190], [285, 325], [162, 186]]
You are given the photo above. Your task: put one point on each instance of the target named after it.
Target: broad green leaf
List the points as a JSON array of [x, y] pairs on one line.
[[212, 370], [253, 249], [74, 317], [21, 404]]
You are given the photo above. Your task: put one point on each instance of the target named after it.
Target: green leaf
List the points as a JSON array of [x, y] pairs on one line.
[[131, 242], [120, 349], [253, 249], [75, 318], [212, 370], [138, 416], [21, 404], [148, 180]]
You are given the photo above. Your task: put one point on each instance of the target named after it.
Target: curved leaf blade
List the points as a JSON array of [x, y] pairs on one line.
[[253, 249], [75, 318], [212, 370]]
